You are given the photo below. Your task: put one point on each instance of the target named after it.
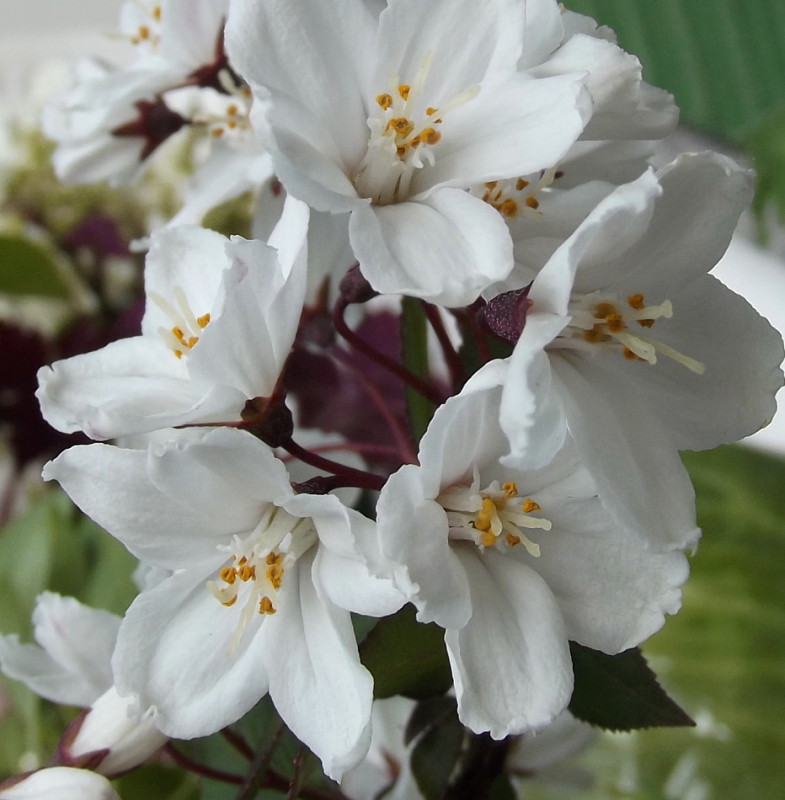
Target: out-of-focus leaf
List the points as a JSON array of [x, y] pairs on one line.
[[724, 60], [435, 755], [414, 342], [767, 146], [26, 269], [620, 693], [427, 714], [155, 782], [406, 657]]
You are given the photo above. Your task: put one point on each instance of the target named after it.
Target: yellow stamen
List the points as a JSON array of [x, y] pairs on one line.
[[636, 301], [509, 208], [266, 606], [529, 505], [229, 602], [228, 575], [513, 540], [403, 91], [510, 489], [521, 184], [204, 320], [384, 100], [532, 202], [488, 539]]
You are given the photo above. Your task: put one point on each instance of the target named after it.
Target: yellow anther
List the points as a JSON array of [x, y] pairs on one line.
[[266, 606], [430, 111], [384, 100], [521, 184], [401, 125], [273, 558], [203, 321], [605, 310], [628, 354], [247, 573], [143, 33], [275, 574], [231, 124], [430, 136], [491, 184], [178, 353], [484, 517], [510, 489], [529, 505], [228, 575], [400, 151], [636, 301], [232, 110], [615, 323], [218, 132], [230, 602], [646, 323], [157, 13], [513, 540], [594, 334], [488, 539], [532, 202], [403, 91], [509, 208]]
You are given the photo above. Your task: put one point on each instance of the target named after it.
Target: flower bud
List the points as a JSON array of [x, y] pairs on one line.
[[58, 783], [111, 737]]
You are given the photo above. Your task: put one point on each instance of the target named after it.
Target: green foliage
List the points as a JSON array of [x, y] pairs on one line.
[[435, 756], [724, 61], [414, 342], [620, 693], [767, 146], [406, 657], [27, 269]]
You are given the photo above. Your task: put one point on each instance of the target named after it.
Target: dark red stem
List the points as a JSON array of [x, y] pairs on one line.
[[183, 761]]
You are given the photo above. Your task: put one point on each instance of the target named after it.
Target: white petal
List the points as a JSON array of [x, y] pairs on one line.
[[446, 248], [71, 664], [511, 663], [317, 683], [176, 652], [113, 487], [59, 783], [638, 472]]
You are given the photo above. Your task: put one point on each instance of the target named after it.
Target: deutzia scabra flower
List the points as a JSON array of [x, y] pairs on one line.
[[513, 562], [58, 783], [220, 320], [262, 582], [634, 350], [392, 119], [71, 665]]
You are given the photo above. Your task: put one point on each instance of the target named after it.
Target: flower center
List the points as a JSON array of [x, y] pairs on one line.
[[142, 24], [600, 319], [517, 197], [258, 563], [404, 131], [186, 326], [492, 517]]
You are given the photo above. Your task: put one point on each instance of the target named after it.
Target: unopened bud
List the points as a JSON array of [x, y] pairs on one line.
[[58, 783], [111, 737]]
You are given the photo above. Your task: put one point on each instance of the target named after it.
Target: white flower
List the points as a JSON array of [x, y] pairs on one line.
[[636, 352], [70, 664], [259, 596], [220, 320], [513, 562], [58, 783], [392, 119]]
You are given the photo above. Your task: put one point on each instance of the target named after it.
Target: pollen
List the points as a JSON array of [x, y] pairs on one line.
[[430, 111], [403, 91], [384, 100], [510, 489], [605, 310], [521, 184], [616, 323], [488, 539], [636, 301], [529, 506], [228, 575], [512, 540], [532, 202], [266, 606], [508, 208]]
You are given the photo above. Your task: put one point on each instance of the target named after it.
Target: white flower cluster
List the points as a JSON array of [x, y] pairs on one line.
[[489, 161]]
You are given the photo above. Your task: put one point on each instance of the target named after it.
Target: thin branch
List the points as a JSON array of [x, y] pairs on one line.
[[454, 365], [239, 743], [358, 477], [183, 761]]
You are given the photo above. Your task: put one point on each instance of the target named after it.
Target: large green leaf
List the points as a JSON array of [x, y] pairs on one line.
[[724, 60]]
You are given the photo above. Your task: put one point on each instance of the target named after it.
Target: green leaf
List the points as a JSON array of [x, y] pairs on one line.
[[406, 657], [435, 756], [414, 341], [724, 61], [427, 714], [26, 269], [620, 693]]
